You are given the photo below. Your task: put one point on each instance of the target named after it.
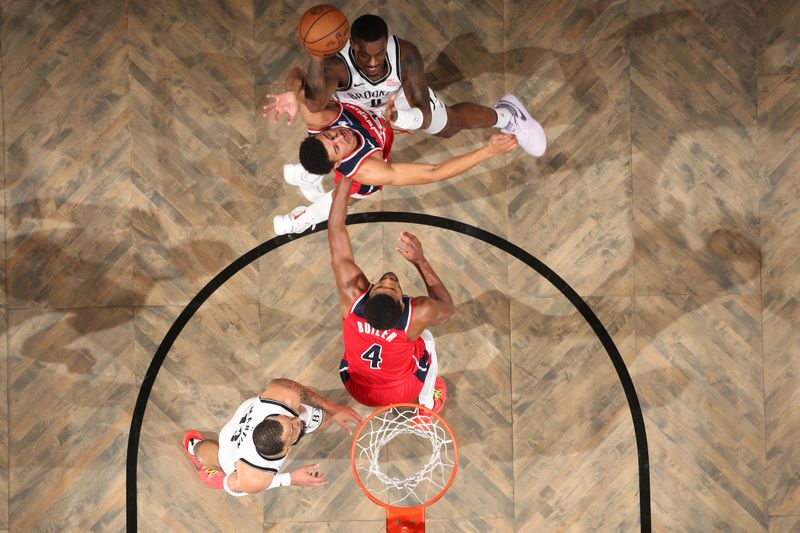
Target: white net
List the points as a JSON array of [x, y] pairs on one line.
[[404, 458]]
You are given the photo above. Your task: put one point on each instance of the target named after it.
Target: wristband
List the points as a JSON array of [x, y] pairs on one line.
[[408, 118], [228, 489], [311, 416], [280, 480]]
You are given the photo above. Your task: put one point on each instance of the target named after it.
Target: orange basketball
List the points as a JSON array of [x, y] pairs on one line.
[[323, 30]]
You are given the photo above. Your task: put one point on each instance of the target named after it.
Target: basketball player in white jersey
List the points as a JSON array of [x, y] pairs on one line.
[[254, 444], [356, 144], [375, 65]]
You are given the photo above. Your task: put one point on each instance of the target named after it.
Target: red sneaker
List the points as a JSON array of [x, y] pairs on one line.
[[208, 475], [423, 419], [439, 394]]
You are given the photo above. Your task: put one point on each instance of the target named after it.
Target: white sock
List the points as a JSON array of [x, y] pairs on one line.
[[192, 444], [503, 117]]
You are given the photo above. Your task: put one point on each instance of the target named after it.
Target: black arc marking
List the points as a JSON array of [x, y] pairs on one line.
[[410, 218]]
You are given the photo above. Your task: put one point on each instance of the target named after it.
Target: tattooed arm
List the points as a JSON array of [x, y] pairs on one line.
[[293, 394], [323, 76]]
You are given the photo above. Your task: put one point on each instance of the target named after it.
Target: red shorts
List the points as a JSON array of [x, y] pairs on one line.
[[376, 396]]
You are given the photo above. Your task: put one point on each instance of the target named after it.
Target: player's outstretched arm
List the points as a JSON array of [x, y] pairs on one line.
[[323, 75], [308, 476], [248, 480], [339, 413], [350, 280], [375, 171], [438, 307], [293, 100]]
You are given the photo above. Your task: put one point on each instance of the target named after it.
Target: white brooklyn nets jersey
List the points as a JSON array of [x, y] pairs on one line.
[[365, 93], [236, 438]]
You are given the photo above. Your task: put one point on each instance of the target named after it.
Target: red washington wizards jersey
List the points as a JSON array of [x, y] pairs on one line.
[[372, 137], [381, 358]]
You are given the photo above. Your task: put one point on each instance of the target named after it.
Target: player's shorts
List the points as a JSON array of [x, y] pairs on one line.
[[438, 111], [372, 395]]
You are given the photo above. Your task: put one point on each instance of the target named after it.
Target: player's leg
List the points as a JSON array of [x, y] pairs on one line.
[[207, 451], [446, 121], [508, 114], [204, 455], [301, 218], [310, 185], [466, 116]]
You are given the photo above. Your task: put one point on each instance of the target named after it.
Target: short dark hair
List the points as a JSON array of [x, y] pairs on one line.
[[267, 436], [382, 311], [369, 28], [314, 157]]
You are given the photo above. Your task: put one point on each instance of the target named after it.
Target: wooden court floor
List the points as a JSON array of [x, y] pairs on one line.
[[135, 168]]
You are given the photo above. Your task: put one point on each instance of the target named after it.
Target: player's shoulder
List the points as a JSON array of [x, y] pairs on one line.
[[406, 47], [281, 392], [422, 306]]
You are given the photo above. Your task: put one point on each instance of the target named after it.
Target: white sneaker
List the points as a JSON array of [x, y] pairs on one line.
[[291, 223], [528, 132], [310, 184]]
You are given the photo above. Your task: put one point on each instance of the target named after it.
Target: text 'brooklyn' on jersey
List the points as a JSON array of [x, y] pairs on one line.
[[362, 91]]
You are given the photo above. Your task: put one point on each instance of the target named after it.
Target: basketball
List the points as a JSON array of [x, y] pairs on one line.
[[323, 30]]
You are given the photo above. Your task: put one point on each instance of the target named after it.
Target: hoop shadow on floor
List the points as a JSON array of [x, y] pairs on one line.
[[413, 218]]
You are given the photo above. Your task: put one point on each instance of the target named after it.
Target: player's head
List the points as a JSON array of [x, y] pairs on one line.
[[322, 152], [276, 434], [384, 305], [368, 38]]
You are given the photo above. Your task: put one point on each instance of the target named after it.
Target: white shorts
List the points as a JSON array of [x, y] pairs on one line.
[[426, 394], [438, 111]]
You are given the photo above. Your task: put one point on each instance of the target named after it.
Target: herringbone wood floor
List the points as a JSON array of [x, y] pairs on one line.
[[135, 168]]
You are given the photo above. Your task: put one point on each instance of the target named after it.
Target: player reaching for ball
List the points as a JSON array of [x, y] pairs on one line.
[[372, 67], [356, 144], [389, 354]]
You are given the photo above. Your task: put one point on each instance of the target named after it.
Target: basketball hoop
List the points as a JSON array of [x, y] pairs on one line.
[[404, 458]]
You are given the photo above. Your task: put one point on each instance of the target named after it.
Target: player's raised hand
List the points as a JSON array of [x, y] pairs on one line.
[[500, 143], [410, 247], [345, 416], [390, 111], [308, 476], [284, 103]]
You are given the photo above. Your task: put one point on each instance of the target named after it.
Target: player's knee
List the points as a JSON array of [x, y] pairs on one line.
[[448, 131]]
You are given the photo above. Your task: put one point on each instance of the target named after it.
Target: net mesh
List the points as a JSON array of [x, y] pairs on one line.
[[404, 458]]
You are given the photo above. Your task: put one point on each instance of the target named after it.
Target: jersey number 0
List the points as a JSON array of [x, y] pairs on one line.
[[373, 355]]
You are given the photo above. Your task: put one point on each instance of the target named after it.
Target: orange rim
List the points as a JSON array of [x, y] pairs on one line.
[[357, 434]]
